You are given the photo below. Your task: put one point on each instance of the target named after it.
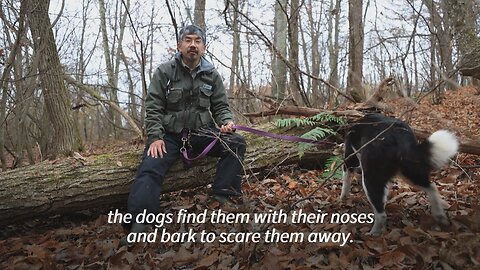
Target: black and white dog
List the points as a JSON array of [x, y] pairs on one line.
[[382, 146]]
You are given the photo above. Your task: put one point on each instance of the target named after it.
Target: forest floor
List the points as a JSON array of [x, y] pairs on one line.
[[412, 240]]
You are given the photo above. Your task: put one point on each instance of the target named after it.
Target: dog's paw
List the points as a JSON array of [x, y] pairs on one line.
[[379, 224], [442, 219], [374, 232], [377, 229]]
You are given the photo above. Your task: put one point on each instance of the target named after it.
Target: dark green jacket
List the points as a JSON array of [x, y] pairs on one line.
[[176, 99]]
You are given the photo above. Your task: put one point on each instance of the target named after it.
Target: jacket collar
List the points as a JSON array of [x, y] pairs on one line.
[[204, 65]]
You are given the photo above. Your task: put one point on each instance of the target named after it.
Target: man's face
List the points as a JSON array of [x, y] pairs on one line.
[[192, 48]]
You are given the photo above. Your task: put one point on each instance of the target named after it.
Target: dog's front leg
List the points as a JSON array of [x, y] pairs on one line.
[[438, 212], [346, 183], [378, 224]]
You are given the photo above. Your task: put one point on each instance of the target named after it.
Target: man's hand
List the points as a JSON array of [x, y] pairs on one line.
[[156, 149], [228, 127]]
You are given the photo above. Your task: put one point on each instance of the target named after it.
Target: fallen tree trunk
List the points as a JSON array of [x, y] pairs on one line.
[[72, 184], [466, 146]]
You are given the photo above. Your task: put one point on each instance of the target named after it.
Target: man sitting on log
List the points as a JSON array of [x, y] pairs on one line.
[[185, 99]]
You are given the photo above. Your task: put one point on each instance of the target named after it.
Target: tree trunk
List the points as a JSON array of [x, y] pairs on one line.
[[306, 51], [234, 68], [433, 53], [109, 63], [442, 40], [468, 42], [279, 68], [72, 184], [355, 50], [315, 58], [3, 113], [79, 115], [20, 112], [132, 99], [103, 181], [199, 13], [4, 76], [295, 86], [55, 94], [333, 49]]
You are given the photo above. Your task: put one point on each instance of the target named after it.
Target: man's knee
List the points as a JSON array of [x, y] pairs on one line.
[[238, 142], [157, 167]]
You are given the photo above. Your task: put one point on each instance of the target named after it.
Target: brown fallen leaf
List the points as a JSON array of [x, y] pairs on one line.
[[392, 258], [28, 263], [184, 256], [207, 261], [292, 185]]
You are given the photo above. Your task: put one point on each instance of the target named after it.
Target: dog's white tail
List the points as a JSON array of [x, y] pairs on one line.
[[444, 145]]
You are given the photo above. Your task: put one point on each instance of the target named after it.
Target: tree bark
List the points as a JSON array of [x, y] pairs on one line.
[[199, 13], [468, 42], [55, 93], [78, 183], [110, 65], [315, 53], [234, 67], [4, 76], [441, 40], [279, 67], [333, 48], [355, 50], [295, 86]]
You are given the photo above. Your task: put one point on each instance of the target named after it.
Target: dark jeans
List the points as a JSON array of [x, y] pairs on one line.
[[146, 189]]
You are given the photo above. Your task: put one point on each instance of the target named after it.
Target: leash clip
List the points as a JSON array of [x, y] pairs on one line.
[[184, 142]]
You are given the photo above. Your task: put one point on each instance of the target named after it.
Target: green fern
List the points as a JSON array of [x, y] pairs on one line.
[[320, 118], [320, 131], [317, 133], [330, 166], [327, 117], [298, 122]]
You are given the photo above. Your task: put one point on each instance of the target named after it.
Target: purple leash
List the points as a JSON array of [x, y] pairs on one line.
[[209, 147], [184, 151]]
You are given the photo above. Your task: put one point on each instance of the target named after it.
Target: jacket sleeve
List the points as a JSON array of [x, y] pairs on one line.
[[155, 104], [219, 105]]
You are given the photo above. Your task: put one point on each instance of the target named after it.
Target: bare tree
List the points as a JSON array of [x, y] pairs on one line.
[[23, 99], [463, 16], [83, 58], [9, 64], [199, 13], [57, 100], [279, 67], [311, 52], [112, 63], [294, 82], [355, 50], [132, 104], [234, 67], [333, 46], [441, 44]]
